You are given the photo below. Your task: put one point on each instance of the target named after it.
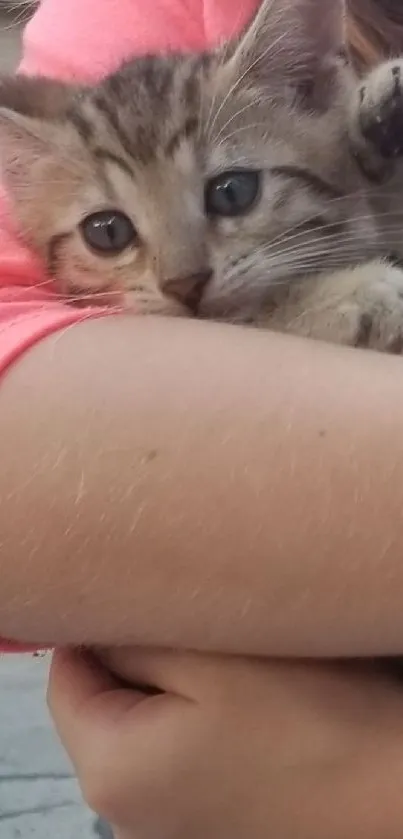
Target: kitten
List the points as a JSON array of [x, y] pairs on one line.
[[258, 183]]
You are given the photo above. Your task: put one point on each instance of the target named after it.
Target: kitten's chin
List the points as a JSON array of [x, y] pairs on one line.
[[142, 303], [225, 312]]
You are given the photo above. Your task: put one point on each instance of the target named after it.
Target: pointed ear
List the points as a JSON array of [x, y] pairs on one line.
[[28, 151], [22, 138], [39, 150], [293, 42], [31, 123]]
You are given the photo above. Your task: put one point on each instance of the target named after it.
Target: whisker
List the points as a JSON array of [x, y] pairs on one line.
[[43, 283], [325, 255], [297, 265], [223, 53], [297, 232], [234, 116], [368, 192], [293, 243], [240, 130], [234, 87], [21, 11], [82, 317], [78, 298]]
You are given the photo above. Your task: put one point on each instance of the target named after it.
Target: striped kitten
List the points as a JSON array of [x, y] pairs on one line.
[[255, 183]]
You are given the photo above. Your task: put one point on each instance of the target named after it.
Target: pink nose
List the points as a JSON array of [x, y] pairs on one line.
[[189, 289]]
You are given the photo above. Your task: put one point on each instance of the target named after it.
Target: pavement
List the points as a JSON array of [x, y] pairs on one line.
[[39, 797]]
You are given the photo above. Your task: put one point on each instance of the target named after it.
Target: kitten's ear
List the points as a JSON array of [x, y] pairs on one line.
[[22, 138], [291, 41], [39, 148], [31, 126], [35, 96]]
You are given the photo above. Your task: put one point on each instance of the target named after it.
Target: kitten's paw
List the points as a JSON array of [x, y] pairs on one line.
[[380, 109], [359, 307], [380, 311]]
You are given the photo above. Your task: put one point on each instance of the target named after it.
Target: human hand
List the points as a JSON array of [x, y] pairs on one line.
[[233, 748]]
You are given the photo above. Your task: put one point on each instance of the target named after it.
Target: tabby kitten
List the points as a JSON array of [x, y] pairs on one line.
[[257, 183]]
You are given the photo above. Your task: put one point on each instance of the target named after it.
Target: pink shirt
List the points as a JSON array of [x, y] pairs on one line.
[[84, 40]]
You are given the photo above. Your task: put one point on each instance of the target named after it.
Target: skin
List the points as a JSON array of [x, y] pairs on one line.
[[269, 749], [248, 486]]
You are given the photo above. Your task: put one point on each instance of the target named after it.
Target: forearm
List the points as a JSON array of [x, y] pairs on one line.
[[181, 483]]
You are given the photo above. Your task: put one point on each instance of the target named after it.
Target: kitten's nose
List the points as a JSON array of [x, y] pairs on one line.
[[188, 289]]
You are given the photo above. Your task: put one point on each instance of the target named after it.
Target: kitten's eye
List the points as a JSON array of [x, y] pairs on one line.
[[108, 232], [232, 193]]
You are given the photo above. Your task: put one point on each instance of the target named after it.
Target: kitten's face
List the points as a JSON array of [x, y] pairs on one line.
[[209, 180]]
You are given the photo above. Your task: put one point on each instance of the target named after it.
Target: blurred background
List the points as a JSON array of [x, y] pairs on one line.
[[12, 19]]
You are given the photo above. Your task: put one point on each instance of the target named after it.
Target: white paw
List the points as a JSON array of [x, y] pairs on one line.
[[380, 324]]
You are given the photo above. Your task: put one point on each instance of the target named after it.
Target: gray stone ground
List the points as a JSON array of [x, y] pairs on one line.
[[39, 798]]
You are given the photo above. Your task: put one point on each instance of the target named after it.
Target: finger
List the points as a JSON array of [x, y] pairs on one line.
[[191, 675], [82, 694], [76, 677], [123, 743]]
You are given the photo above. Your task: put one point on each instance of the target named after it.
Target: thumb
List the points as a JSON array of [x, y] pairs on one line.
[[82, 694], [123, 743], [192, 675]]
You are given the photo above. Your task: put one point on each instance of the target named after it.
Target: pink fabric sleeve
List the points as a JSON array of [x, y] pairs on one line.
[[85, 39]]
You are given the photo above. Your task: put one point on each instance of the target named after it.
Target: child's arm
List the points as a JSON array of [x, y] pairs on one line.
[[190, 484]]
